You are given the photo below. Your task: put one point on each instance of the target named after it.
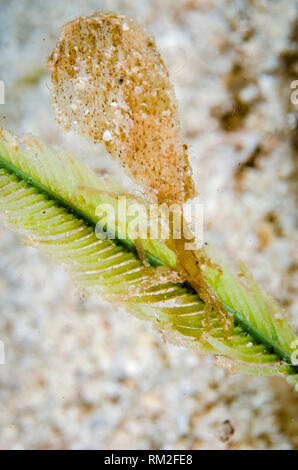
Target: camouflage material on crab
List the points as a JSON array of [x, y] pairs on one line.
[[110, 84]]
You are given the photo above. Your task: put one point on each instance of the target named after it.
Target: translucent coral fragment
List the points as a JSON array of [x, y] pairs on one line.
[[110, 84]]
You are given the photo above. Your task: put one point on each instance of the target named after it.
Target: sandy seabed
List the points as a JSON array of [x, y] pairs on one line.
[[80, 374]]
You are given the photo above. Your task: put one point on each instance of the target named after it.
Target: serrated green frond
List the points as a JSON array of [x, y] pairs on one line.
[[254, 304], [74, 184], [40, 197], [259, 312]]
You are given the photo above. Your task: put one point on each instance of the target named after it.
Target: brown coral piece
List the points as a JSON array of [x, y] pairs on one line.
[[110, 84]]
